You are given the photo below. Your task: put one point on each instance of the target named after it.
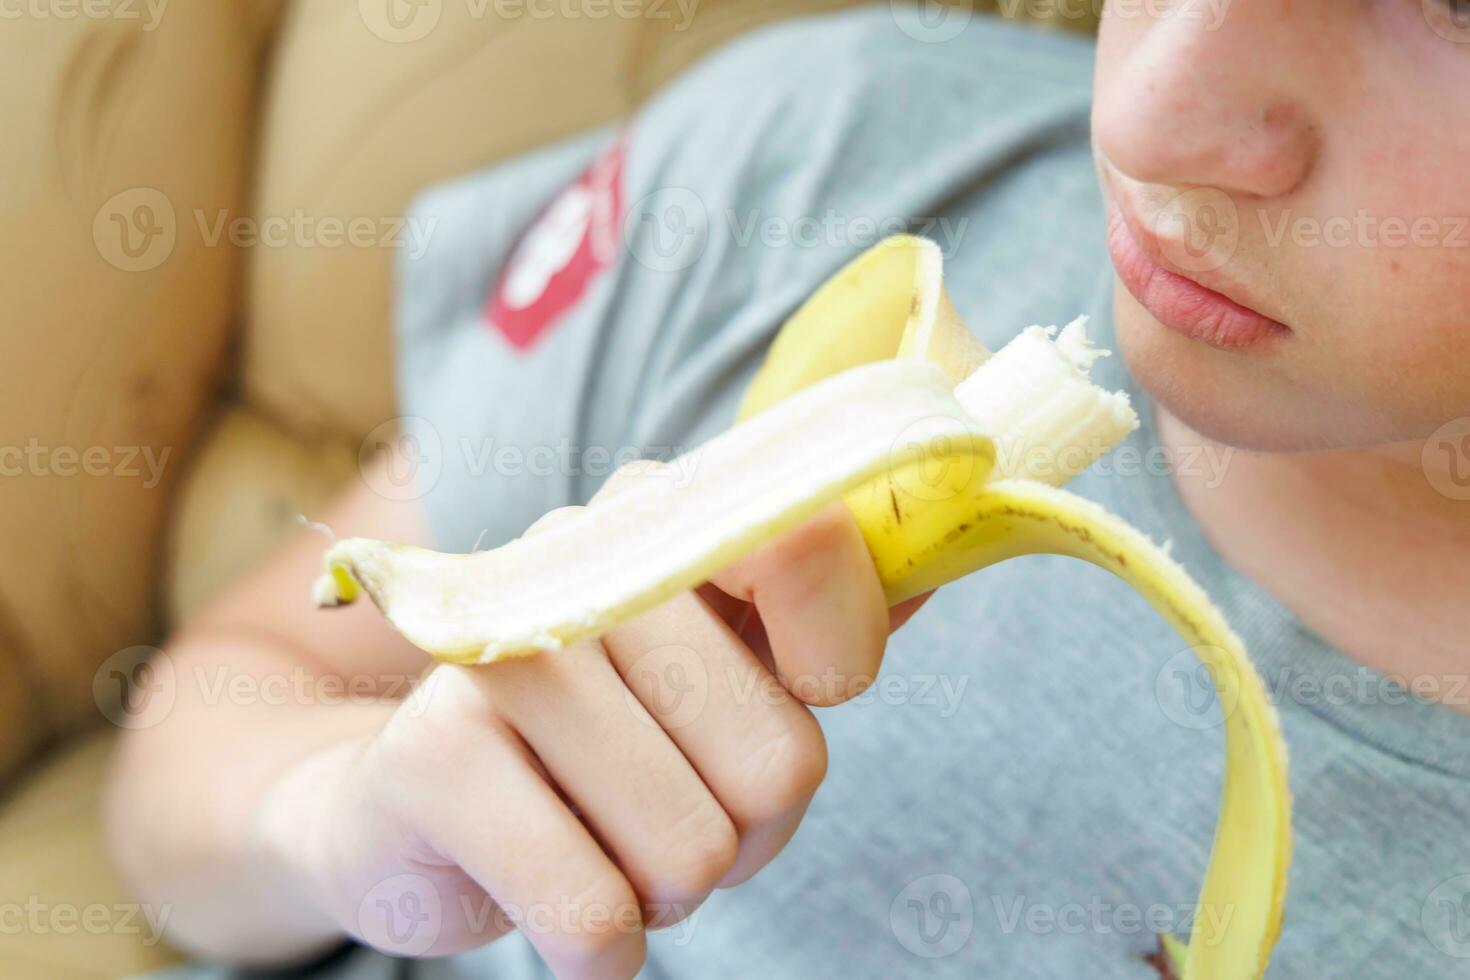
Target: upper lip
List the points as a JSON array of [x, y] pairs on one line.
[[1154, 246]]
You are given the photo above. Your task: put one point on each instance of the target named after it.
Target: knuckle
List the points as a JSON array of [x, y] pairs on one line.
[[604, 934], [823, 557], [604, 955], [783, 773], [700, 849], [824, 537], [444, 709], [446, 715]]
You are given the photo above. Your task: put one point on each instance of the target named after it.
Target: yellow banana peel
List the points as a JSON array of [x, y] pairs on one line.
[[950, 459]]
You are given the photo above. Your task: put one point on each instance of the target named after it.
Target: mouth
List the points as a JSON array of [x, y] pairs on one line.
[[1178, 300]]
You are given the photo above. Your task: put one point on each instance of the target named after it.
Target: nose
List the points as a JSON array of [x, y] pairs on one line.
[[1187, 101]]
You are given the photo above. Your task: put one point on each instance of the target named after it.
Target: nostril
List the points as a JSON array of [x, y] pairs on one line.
[[1179, 105], [1241, 146]]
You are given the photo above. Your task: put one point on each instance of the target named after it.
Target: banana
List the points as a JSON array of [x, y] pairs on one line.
[[950, 458]]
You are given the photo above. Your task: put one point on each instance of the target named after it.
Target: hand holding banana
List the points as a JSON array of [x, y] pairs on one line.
[[949, 459]]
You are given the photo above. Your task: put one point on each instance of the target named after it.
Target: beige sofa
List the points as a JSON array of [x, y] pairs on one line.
[[175, 392]]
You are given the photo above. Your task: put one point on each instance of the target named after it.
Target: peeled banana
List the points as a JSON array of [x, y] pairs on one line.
[[950, 458]]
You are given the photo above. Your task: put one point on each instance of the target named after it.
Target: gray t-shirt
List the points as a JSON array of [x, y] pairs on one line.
[[1031, 787]]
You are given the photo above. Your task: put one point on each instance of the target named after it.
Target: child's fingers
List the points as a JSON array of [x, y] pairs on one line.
[[479, 801], [821, 604], [630, 783], [758, 749], [904, 611]]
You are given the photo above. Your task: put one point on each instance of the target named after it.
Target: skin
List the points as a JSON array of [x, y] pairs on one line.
[[1332, 505], [567, 794], [571, 783]]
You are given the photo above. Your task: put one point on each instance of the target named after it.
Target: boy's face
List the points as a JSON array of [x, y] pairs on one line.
[[1309, 160]]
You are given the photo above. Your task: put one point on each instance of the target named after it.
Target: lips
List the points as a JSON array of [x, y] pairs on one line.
[[1177, 301]]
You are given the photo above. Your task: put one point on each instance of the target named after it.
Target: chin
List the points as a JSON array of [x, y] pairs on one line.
[[1236, 399]]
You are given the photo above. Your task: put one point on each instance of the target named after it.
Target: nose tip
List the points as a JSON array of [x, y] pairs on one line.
[[1186, 114]]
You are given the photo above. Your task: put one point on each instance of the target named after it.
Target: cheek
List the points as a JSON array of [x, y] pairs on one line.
[[1417, 369], [1402, 333], [1294, 398], [1404, 346]]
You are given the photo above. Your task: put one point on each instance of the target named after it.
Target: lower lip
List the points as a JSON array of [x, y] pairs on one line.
[[1181, 304]]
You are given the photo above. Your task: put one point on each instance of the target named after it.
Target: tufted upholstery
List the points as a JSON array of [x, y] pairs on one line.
[[222, 386]]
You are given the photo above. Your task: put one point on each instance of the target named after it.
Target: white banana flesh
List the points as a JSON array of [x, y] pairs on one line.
[[1049, 421], [634, 549]]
